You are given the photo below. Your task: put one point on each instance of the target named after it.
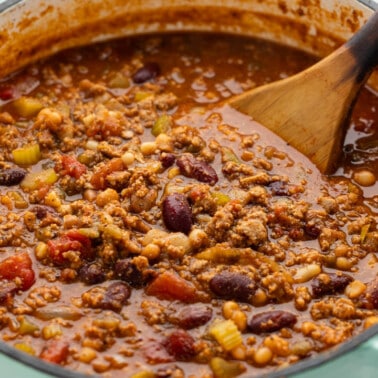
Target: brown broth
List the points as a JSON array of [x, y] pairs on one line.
[[201, 70]]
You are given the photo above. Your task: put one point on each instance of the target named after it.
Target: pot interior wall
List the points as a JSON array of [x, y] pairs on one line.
[[33, 29]]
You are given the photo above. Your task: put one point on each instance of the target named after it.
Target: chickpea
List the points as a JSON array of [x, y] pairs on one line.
[[70, 221], [90, 195], [307, 272], [41, 251], [263, 355], [198, 238], [239, 353], [364, 177], [229, 308], [128, 158], [148, 148], [92, 145], [355, 289], [106, 196], [259, 298], [343, 263], [164, 142], [370, 321], [232, 311], [151, 251], [153, 235], [240, 319], [87, 354], [176, 244], [277, 345], [173, 172]]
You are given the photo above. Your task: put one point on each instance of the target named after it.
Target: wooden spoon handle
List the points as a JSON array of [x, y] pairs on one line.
[[366, 53]]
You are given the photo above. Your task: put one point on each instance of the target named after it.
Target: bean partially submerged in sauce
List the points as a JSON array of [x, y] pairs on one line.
[[177, 214], [232, 286], [331, 283], [271, 321], [147, 72], [12, 176], [200, 170]]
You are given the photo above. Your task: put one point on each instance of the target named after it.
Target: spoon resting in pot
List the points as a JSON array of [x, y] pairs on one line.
[[310, 110]]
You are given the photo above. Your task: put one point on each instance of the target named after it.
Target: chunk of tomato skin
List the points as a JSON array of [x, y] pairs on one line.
[[171, 287], [98, 179], [55, 351], [72, 167], [18, 266]]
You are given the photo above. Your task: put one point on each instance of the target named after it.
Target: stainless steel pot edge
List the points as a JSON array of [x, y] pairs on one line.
[[373, 4], [5, 4], [299, 367]]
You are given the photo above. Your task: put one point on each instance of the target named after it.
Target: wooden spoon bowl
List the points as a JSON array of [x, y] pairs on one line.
[[310, 110]]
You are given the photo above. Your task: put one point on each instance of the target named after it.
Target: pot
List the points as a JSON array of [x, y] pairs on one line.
[[32, 29]]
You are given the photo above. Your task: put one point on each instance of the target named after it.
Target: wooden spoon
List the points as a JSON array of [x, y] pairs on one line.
[[310, 110]]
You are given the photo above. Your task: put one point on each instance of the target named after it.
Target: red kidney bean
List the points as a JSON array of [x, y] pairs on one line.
[[148, 72], [198, 169], [129, 272], [6, 93], [92, 274], [42, 211], [313, 230], [296, 233], [180, 344], [12, 176], [330, 284], [370, 299], [177, 214], [313, 226], [279, 188], [230, 285], [167, 159], [271, 321], [116, 296], [194, 316]]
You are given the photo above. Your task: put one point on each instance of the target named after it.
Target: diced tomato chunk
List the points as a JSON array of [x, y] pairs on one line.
[[98, 179], [72, 167], [71, 241], [18, 266], [170, 286], [55, 351]]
